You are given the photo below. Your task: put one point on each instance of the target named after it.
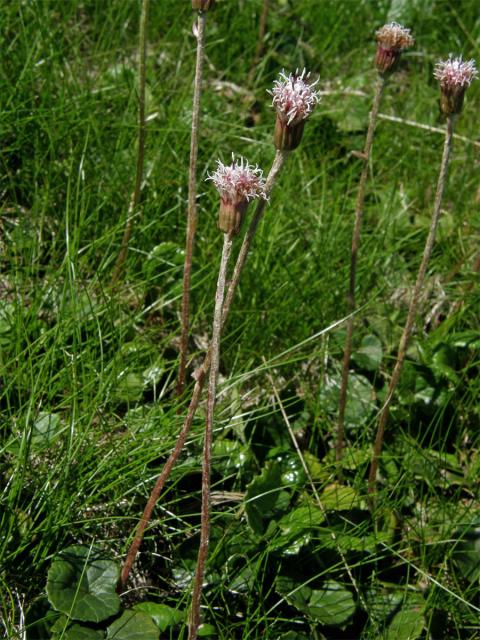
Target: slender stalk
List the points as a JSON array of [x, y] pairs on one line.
[[360, 204], [200, 373], [192, 215], [407, 331], [135, 199], [207, 447], [262, 28]]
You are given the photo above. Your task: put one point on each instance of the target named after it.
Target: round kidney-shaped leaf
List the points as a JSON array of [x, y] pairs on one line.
[[79, 632], [163, 615], [81, 583], [332, 605], [133, 625]]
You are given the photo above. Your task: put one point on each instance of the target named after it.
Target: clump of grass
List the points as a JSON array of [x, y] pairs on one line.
[[135, 199]]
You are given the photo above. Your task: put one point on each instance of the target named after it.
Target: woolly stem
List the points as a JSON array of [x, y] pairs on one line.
[[347, 352], [207, 447], [407, 331], [200, 373], [192, 203], [135, 199]]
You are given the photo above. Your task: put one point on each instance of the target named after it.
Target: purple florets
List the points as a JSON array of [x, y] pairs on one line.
[[294, 97], [455, 72], [238, 181]]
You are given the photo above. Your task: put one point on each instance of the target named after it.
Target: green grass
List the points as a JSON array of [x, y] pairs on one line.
[[103, 362]]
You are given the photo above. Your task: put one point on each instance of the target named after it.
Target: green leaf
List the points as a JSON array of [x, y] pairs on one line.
[[164, 259], [163, 615], [129, 388], [133, 625], [296, 528], [265, 499], [466, 553], [81, 583], [370, 354], [332, 605], [206, 631], [231, 455], [79, 632], [336, 497], [408, 623], [383, 603], [361, 399], [295, 593], [45, 430]]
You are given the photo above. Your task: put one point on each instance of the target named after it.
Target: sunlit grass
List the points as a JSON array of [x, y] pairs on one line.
[[104, 362]]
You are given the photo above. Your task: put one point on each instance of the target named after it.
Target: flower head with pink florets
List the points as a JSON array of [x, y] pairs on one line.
[[237, 183], [294, 99], [392, 39], [455, 76]]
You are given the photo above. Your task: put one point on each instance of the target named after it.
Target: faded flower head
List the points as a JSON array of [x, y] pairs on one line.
[[237, 184], [294, 99], [392, 39], [203, 5], [455, 76]]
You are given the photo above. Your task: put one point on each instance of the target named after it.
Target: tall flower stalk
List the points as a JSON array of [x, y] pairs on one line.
[[284, 104], [454, 76], [237, 184], [135, 199], [202, 7], [392, 39]]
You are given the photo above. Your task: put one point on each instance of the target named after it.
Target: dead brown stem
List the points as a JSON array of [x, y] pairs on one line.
[[192, 215], [207, 447]]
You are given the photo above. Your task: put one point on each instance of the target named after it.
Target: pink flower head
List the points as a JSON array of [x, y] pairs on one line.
[[455, 76], [237, 184], [392, 39], [294, 97], [455, 72], [238, 181]]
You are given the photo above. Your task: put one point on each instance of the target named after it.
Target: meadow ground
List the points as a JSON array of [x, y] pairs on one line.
[[88, 408]]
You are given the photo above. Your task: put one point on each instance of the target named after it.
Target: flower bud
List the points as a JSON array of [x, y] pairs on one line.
[[454, 76], [237, 184], [231, 216], [287, 137], [294, 100], [392, 39]]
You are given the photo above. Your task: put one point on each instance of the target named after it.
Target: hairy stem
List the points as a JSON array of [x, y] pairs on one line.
[[207, 447], [192, 203], [347, 351], [200, 374], [135, 199], [407, 331]]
